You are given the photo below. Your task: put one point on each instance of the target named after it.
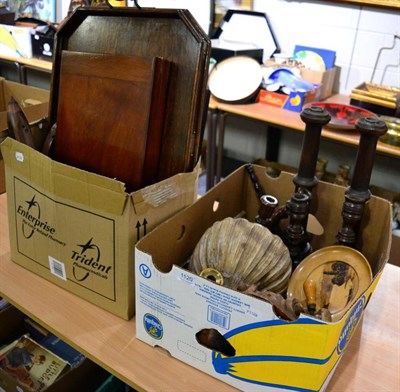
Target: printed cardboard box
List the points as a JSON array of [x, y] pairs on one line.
[[15, 41], [325, 79], [33, 100], [272, 354], [293, 102], [78, 229], [34, 103]]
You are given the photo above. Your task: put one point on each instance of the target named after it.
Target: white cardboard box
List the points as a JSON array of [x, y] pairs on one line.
[[173, 304], [15, 41]]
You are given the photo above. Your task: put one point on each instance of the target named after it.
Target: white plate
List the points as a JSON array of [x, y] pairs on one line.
[[235, 79], [310, 60]]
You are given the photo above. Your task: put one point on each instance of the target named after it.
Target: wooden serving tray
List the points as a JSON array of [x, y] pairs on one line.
[[110, 115], [136, 33]]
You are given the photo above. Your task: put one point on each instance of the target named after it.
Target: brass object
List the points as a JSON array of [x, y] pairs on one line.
[[378, 94], [392, 136], [321, 168], [329, 281], [342, 176], [213, 275]]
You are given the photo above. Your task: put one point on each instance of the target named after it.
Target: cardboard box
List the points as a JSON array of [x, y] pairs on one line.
[[294, 101], [33, 101], [78, 229], [15, 41], [87, 373], [325, 79], [174, 304]]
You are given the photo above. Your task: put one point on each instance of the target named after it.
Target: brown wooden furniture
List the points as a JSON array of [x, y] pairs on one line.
[[110, 115], [144, 33], [371, 360]]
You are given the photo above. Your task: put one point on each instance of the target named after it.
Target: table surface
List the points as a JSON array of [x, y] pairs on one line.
[[371, 361], [33, 62], [288, 119]]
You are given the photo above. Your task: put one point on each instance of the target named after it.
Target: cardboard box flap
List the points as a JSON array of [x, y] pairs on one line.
[[32, 100], [227, 201], [23, 94], [266, 352], [222, 202], [156, 195], [73, 184]]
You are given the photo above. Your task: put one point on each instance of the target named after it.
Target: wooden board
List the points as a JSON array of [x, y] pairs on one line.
[[103, 116], [147, 33]]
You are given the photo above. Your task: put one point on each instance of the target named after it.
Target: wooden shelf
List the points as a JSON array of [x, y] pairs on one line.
[[291, 120], [44, 65], [371, 360]]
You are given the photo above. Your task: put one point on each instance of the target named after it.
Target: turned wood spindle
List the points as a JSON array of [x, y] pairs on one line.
[[315, 117], [358, 193], [295, 236], [266, 210], [257, 186]]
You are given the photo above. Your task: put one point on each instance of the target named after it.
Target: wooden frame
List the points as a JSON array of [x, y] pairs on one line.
[[395, 4]]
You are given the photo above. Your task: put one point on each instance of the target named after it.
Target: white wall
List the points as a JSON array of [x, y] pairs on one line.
[[356, 33]]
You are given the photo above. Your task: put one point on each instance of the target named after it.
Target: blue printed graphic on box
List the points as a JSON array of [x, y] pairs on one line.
[[295, 101], [153, 326]]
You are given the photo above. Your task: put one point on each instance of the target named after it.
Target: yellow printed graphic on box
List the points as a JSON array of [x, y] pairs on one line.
[[15, 41], [285, 355]]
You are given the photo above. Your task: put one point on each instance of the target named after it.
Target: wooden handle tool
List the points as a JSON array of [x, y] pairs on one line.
[[310, 291], [18, 125]]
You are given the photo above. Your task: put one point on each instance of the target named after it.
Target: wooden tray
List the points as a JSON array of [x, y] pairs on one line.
[[110, 112], [173, 35]]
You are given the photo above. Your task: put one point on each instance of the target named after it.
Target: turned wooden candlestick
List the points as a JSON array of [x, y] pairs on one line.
[[295, 235], [268, 203], [315, 117], [358, 193]]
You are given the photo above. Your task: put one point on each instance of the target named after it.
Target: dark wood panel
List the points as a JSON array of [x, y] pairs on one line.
[[170, 34], [104, 109]]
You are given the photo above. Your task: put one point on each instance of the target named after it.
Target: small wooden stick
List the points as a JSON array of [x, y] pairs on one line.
[[310, 291]]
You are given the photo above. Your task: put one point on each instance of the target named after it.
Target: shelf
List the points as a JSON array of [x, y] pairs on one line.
[[291, 120], [44, 65]]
